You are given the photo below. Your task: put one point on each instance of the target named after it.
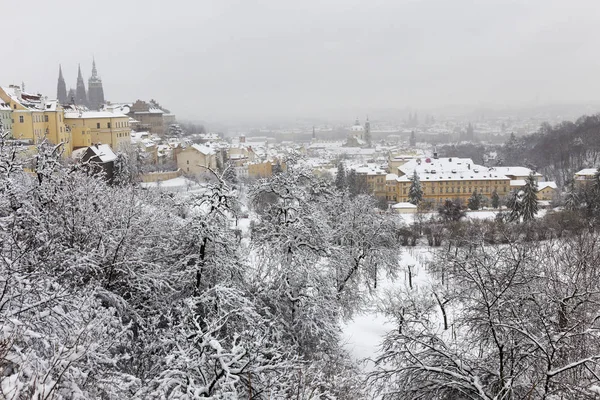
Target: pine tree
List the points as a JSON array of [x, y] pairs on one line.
[[474, 202], [495, 199], [513, 203], [415, 193], [529, 200], [340, 177], [572, 200]]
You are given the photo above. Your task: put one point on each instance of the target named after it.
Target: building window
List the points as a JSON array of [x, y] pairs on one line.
[[46, 118], [98, 125], [188, 161], [15, 106], [108, 125], [21, 119]]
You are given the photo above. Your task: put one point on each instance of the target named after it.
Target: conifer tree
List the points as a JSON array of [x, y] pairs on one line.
[[572, 199], [415, 193], [529, 200], [474, 202], [495, 199]]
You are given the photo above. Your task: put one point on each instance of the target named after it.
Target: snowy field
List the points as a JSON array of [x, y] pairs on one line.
[[179, 184], [472, 215], [364, 333]]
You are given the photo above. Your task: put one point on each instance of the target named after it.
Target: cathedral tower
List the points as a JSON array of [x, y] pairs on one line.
[[80, 94], [61, 90], [95, 90]]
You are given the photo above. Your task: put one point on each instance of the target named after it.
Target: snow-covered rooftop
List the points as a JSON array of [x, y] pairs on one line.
[[206, 150], [515, 171], [447, 169], [103, 152], [544, 185], [587, 171], [94, 114]]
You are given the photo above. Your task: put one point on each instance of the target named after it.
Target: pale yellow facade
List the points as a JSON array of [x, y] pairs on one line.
[[34, 118], [439, 191], [196, 159], [98, 127], [6, 117], [264, 169]]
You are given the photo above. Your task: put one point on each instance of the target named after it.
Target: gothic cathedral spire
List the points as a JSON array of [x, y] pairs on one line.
[[80, 92], [61, 90], [95, 89]]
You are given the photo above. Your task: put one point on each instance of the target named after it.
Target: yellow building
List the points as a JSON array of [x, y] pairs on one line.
[[374, 177], [445, 179], [98, 127], [585, 177], [35, 117], [264, 169], [196, 159], [547, 190], [6, 117]]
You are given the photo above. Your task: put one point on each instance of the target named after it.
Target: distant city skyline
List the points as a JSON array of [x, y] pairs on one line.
[[231, 60]]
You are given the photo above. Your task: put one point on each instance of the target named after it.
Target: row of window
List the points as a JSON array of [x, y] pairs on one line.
[[117, 125]]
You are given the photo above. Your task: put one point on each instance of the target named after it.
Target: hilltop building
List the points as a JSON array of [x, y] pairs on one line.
[[98, 127], [92, 98], [61, 89], [36, 117], [80, 92], [95, 90]]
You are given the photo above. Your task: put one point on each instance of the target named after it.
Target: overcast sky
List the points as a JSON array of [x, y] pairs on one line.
[[222, 59]]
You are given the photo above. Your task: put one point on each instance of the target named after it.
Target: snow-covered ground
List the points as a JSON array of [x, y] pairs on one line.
[[363, 335], [472, 215], [179, 184]]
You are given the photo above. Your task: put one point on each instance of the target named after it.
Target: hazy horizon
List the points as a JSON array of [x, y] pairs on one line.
[[227, 60]]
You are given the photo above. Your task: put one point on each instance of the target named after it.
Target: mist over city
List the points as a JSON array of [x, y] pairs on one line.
[[309, 200]]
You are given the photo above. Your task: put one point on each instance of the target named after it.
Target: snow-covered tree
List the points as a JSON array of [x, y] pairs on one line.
[[525, 327], [474, 202], [415, 192], [340, 177], [529, 200]]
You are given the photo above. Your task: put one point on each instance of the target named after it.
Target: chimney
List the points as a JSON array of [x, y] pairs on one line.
[[435, 154]]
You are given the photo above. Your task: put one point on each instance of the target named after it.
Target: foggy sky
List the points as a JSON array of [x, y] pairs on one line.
[[228, 59]]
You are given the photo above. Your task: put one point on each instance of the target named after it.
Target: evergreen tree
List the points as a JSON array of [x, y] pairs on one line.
[[415, 193], [474, 202], [514, 205], [523, 203], [495, 199], [340, 177], [572, 200], [451, 211], [529, 201]]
